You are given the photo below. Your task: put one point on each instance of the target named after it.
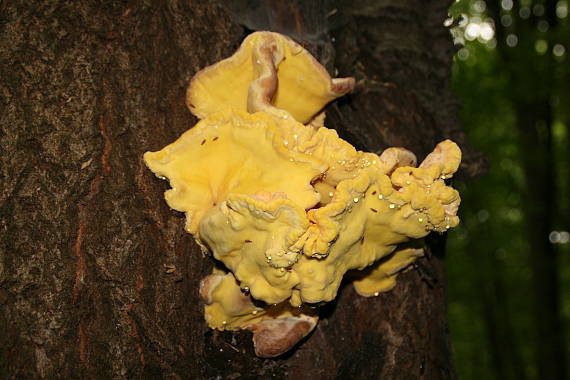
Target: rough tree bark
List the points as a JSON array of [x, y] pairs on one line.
[[87, 87]]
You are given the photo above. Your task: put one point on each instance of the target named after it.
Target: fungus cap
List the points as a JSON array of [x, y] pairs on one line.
[[276, 329], [232, 152], [269, 73]]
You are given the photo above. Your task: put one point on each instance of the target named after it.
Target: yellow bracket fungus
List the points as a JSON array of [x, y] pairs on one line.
[[275, 328], [286, 205], [269, 73]]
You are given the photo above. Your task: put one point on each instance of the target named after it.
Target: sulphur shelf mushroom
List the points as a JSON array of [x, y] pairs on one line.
[[286, 205]]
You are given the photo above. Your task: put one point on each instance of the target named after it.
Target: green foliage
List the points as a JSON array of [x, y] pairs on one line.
[[490, 241], [488, 267]]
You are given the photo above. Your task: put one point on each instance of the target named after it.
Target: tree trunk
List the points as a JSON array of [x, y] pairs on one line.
[[493, 294], [87, 87]]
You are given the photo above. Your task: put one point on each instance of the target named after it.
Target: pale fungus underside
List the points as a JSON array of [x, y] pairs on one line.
[[285, 204]]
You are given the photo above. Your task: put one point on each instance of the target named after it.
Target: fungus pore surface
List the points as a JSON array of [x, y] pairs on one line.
[[286, 205]]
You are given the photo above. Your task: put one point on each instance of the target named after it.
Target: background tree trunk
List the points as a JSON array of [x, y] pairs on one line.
[[86, 88], [533, 90]]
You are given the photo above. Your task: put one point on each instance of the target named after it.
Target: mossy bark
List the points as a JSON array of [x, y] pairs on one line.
[[86, 237]]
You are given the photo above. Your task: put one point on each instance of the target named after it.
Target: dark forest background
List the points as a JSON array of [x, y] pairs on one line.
[[509, 260]]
